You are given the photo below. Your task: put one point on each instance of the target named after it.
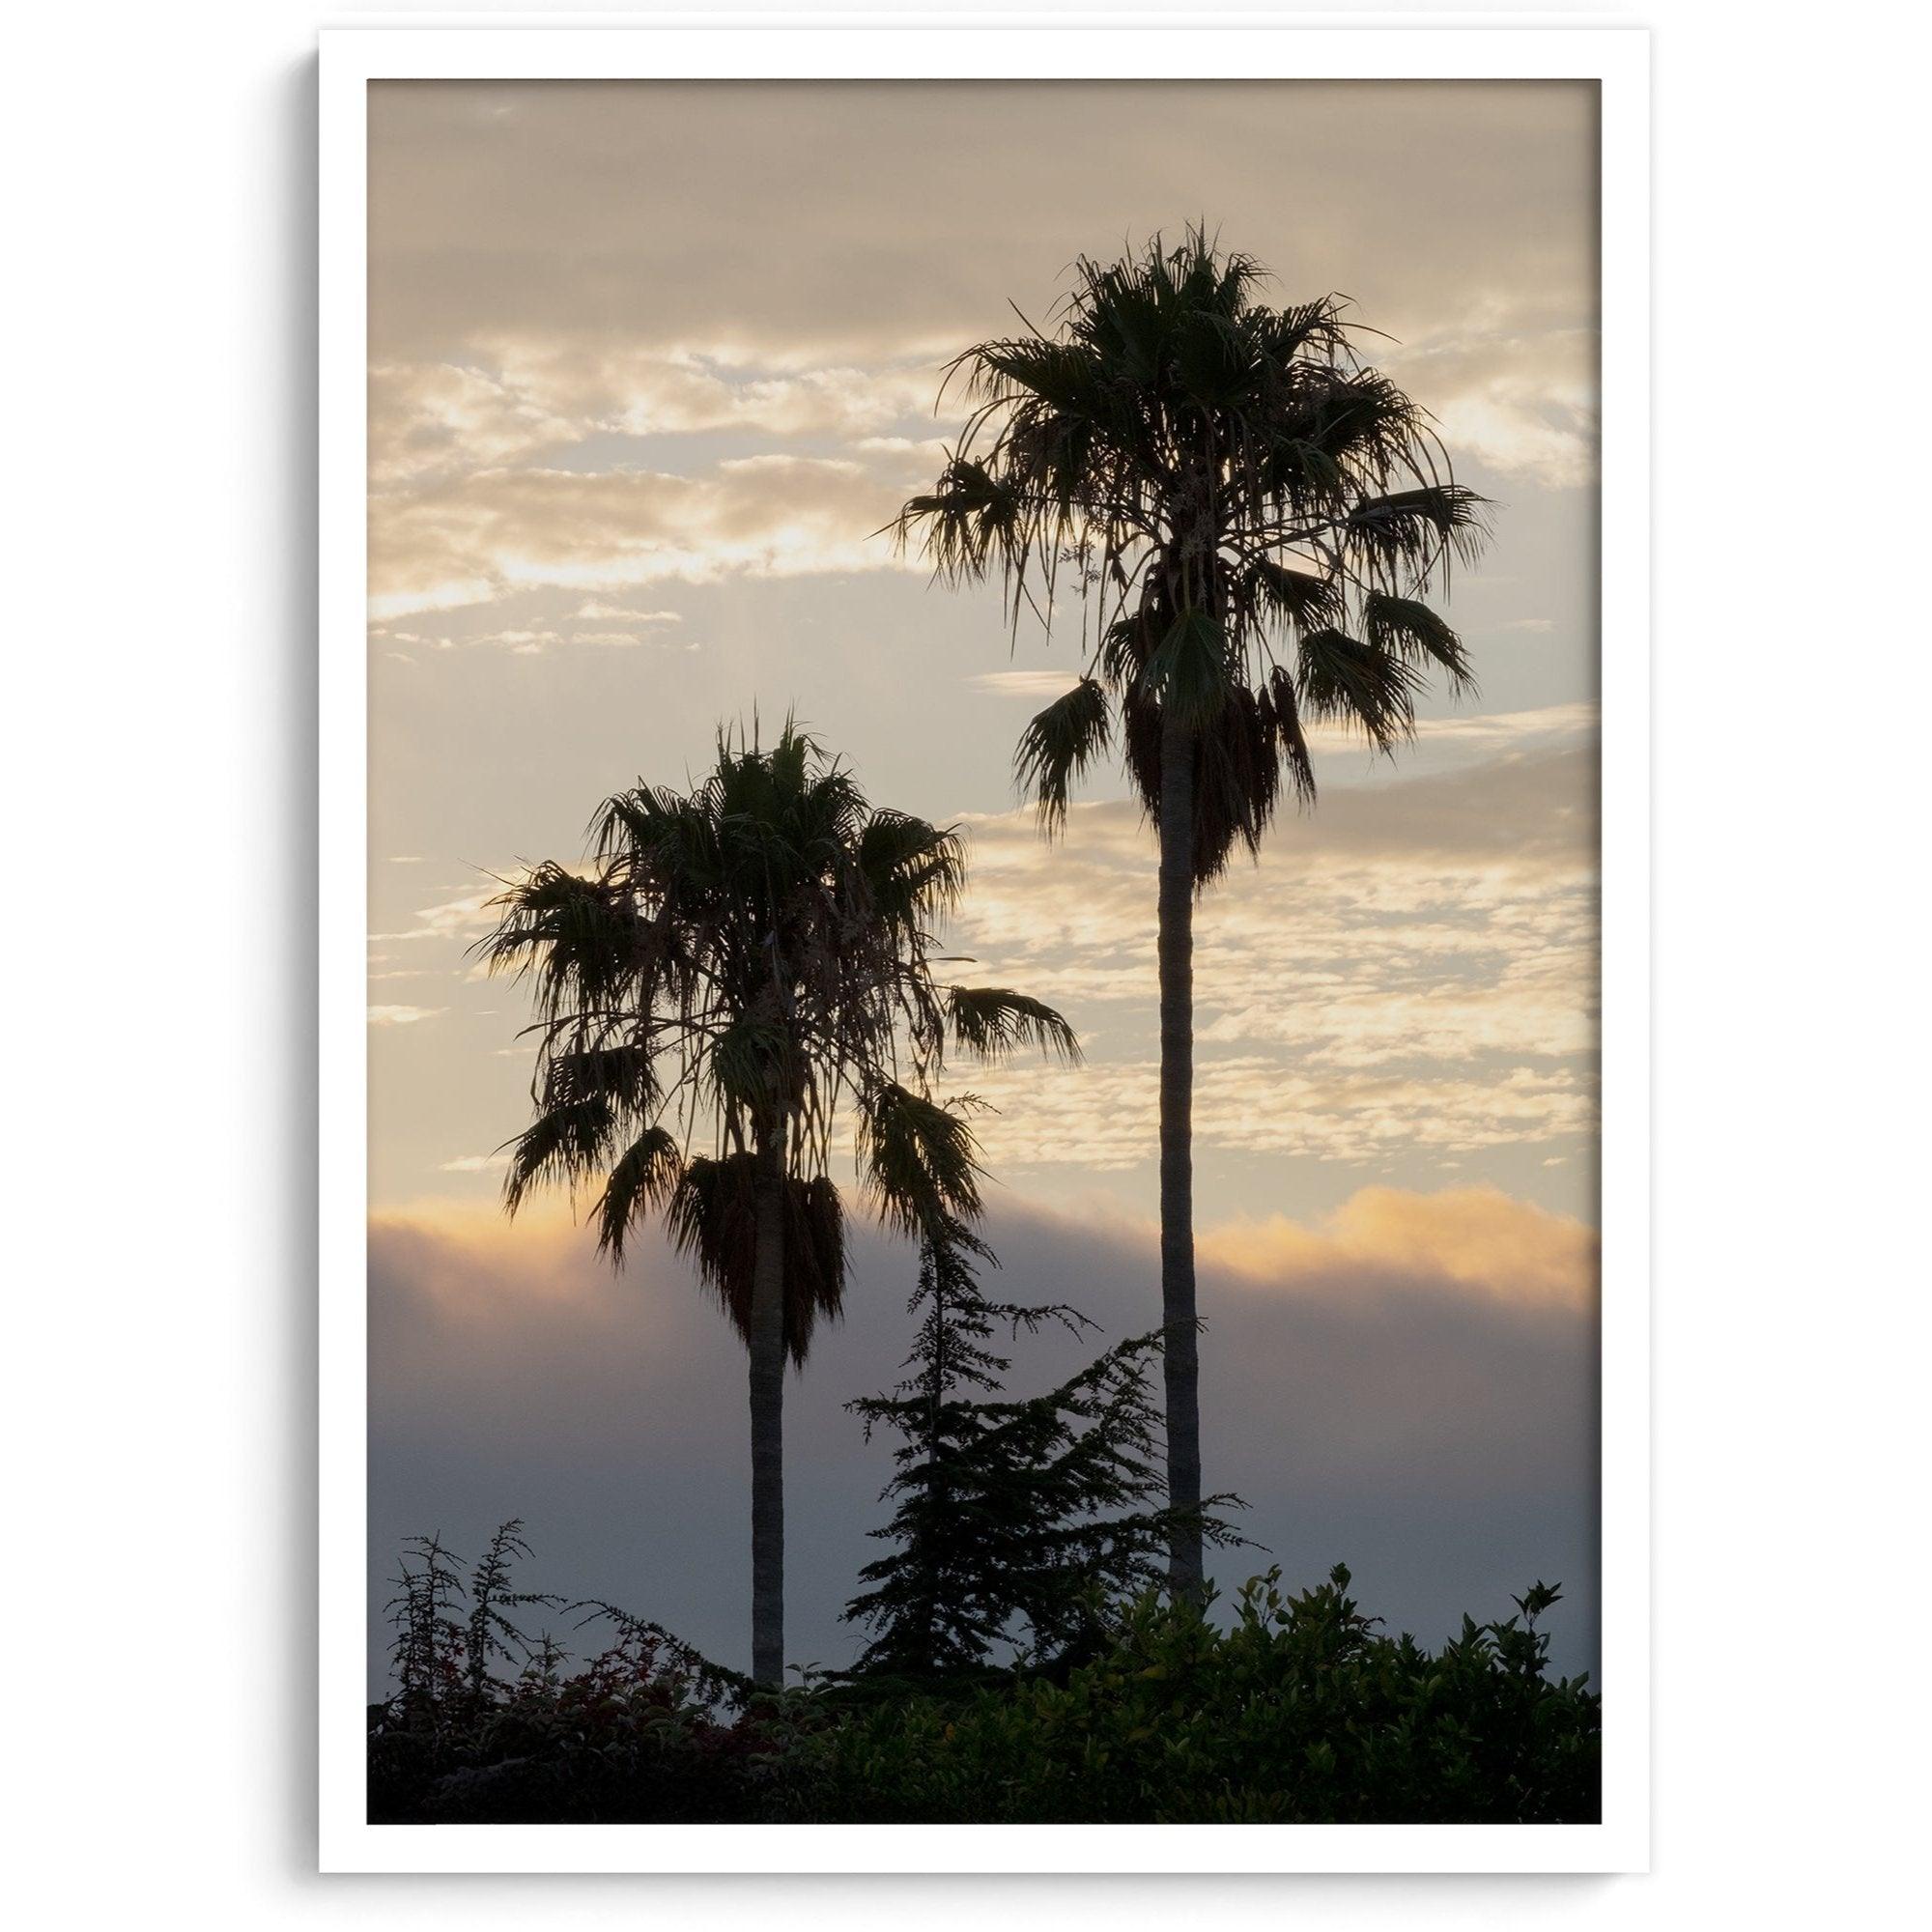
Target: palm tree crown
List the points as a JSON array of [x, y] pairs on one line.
[[741, 957], [1251, 514]]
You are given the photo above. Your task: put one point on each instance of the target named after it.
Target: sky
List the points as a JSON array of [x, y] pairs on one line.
[[650, 364]]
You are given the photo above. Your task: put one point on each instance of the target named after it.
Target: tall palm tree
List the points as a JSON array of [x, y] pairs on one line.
[[737, 962], [1251, 517]]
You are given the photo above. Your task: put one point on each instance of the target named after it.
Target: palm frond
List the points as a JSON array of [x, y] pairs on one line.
[[750, 1068], [1305, 598], [1349, 682], [913, 869], [1412, 631], [1058, 746], [1237, 762], [643, 1180], [564, 932], [562, 1146], [1216, 362], [1189, 671], [1409, 532], [622, 1073], [1283, 714], [919, 1159], [993, 1023], [965, 523], [1205, 460]]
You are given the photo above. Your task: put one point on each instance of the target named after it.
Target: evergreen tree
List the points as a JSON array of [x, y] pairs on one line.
[[1011, 1516]]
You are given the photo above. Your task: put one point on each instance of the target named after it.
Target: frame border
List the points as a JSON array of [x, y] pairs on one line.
[[847, 47]]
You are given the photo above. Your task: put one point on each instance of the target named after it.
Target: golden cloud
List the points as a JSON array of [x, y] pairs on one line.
[[1473, 1239], [475, 1264]]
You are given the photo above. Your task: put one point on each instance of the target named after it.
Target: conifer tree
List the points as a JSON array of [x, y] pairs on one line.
[[1011, 1518]]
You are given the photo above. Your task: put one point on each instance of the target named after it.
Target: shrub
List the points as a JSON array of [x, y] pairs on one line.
[[625, 1740], [645, 1730], [1303, 1712]]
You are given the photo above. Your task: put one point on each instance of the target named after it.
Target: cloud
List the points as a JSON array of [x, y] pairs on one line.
[[1038, 686], [620, 640], [634, 335], [450, 918], [540, 395], [508, 216], [1411, 971], [564, 374], [474, 1163], [389, 1016], [640, 628], [498, 530], [1523, 403], [1408, 1386], [530, 404], [1105, 1116], [1469, 1238], [1405, 982], [595, 610], [426, 419]]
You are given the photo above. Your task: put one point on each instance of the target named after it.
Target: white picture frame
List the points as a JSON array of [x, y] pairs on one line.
[[1045, 47]]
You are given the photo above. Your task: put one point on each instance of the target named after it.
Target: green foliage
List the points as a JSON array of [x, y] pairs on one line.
[[1303, 1712], [1011, 1520]]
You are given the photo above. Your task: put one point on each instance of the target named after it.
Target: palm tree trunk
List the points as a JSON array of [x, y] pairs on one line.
[[768, 1360], [1181, 1357]]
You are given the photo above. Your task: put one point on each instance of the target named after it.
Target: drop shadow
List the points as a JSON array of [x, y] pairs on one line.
[[294, 730]]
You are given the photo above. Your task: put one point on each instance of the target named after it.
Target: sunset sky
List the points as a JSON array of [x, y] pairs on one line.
[[650, 364]]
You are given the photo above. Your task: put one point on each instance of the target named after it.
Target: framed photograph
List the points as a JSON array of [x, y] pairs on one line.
[[984, 949]]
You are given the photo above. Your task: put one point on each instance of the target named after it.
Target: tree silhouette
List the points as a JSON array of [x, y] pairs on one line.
[[741, 962], [1007, 1513], [1251, 517]]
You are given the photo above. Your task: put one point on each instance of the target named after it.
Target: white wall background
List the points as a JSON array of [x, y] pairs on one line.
[[160, 773]]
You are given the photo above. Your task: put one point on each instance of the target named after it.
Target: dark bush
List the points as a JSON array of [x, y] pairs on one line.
[[626, 1740], [1303, 1712]]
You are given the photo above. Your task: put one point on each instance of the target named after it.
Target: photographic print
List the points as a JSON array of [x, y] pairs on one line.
[[983, 982]]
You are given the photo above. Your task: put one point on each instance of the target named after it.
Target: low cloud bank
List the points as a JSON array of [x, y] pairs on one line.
[[1409, 1385]]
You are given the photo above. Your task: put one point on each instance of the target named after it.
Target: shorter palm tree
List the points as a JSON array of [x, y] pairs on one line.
[[744, 965]]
